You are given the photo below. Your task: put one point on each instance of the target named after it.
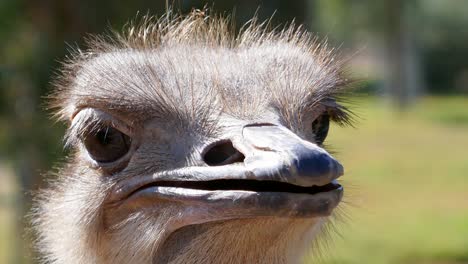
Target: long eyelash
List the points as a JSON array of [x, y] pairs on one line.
[[338, 113], [107, 131], [83, 125], [341, 115]]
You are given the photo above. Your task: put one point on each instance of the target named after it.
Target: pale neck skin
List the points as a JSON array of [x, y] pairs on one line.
[[267, 240]]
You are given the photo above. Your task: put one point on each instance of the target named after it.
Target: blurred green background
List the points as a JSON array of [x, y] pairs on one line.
[[407, 159]]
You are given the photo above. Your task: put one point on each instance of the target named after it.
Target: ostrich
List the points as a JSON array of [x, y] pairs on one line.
[[194, 144]]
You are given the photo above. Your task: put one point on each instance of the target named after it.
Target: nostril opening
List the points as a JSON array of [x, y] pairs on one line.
[[222, 153]]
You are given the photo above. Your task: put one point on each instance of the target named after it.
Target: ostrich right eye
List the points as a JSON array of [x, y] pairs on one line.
[[320, 128], [107, 145]]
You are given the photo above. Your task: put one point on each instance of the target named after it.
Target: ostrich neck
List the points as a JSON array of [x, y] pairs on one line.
[[240, 241]]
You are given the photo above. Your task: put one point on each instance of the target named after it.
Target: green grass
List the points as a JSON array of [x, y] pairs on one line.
[[408, 178]]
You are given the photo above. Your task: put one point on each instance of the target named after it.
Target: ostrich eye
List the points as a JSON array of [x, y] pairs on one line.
[[107, 145], [320, 128]]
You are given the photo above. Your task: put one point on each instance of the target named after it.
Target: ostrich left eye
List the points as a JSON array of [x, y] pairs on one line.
[[320, 128]]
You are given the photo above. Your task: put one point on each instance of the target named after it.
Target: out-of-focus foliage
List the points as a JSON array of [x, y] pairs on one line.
[[439, 30], [445, 37]]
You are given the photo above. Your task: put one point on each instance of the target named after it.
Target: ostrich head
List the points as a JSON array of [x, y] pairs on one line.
[[192, 144]]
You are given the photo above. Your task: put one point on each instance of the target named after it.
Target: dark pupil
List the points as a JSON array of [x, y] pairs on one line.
[[106, 138], [320, 128], [107, 145]]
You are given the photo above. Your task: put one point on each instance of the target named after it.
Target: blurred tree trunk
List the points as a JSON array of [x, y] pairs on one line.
[[403, 74]]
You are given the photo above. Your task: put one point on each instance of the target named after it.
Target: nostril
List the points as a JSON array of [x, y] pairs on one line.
[[222, 153]]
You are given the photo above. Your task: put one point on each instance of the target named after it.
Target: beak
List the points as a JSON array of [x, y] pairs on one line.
[[275, 153], [272, 153]]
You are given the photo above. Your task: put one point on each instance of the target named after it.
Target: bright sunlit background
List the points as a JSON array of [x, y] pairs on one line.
[[406, 159]]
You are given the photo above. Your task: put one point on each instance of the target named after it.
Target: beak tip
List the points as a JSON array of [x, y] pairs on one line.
[[339, 169]]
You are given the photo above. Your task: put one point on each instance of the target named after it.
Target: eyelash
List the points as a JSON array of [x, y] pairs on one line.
[[90, 121]]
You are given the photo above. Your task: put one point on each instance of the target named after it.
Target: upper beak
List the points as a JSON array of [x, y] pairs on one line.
[[275, 153]]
